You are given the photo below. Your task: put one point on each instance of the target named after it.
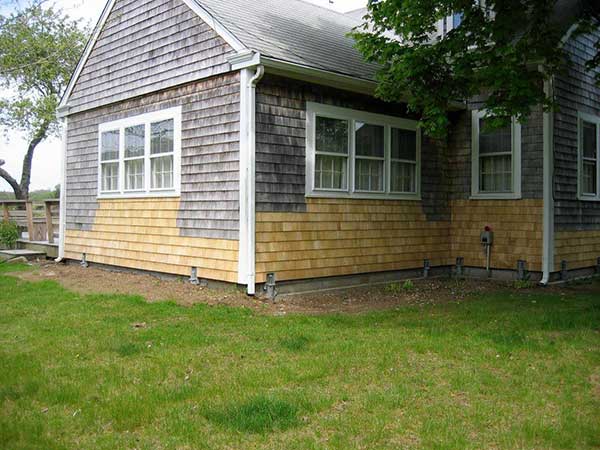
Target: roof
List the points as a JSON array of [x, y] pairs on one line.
[[357, 14], [294, 31]]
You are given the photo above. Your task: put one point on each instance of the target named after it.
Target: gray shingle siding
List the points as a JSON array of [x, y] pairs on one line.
[[281, 144], [209, 205], [575, 92], [145, 46], [459, 154]]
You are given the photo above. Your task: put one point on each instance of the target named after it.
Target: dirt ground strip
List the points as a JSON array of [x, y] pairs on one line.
[[354, 300]]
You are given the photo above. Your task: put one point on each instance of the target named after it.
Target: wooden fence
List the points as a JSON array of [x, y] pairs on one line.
[[39, 218]]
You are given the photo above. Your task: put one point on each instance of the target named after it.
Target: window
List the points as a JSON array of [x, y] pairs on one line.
[[496, 159], [331, 164], [109, 157], [370, 157], [589, 157], [140, 156], [356, 154]]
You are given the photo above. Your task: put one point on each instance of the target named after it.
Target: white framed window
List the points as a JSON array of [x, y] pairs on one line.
[[140, 156], [352, 153], [495, 159], [588, 151]]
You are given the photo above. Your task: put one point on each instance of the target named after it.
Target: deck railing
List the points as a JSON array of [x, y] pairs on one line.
[[39, 218]]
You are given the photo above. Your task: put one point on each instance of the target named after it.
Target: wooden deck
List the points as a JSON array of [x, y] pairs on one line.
[[38, 223]]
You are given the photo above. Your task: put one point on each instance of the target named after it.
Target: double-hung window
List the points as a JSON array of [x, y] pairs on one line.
[[496, 159], [356, 154], [589, 157], [141, 155]]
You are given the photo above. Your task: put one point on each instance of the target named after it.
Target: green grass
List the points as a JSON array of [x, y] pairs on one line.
[[508, 370]]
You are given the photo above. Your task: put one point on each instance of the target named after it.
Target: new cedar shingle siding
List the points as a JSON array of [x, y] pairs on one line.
[[147, 46], [575, 91]]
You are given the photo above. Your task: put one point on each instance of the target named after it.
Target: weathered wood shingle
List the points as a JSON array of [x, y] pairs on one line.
[[209, 204], [575, 92], [281, 145], [146, 46]]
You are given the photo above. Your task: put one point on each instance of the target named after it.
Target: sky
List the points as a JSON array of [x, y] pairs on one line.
[[46, 161]]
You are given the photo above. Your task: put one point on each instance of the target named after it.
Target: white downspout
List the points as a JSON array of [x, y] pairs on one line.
[[63, 194], [247, 246], [548, 187]]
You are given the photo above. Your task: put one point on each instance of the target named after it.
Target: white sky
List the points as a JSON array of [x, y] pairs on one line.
[[46, 161]]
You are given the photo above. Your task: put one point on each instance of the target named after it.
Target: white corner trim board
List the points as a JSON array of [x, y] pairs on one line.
[[62, 227]]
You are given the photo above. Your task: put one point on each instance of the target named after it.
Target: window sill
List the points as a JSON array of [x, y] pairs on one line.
[[588, 199], [507, 196], [158, 194], [363, 196]]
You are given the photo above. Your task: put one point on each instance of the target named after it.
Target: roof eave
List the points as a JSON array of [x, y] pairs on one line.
[[318, 76]]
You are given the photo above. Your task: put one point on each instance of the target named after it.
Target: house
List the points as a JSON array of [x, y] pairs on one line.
[[209, 137]]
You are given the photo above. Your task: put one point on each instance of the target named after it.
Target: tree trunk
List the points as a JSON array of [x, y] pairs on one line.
[[21, 190], [27, 161], [12, 182]]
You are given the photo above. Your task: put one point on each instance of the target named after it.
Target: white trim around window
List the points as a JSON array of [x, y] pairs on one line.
[[496, 164], [140, 156], [332, 172], [588, 184]]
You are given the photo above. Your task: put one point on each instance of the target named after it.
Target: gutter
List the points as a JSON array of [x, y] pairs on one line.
[[548, 188]]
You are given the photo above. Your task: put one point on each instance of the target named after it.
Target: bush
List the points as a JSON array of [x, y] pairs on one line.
[[9, 233]]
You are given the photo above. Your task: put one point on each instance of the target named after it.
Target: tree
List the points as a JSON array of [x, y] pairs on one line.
[[505, 49], [39, 49]]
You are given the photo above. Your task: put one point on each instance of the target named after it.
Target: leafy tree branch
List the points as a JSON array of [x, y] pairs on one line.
[[502, 50], [39, 49]]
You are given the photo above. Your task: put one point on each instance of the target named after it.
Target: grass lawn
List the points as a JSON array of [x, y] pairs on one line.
[[506, 370]]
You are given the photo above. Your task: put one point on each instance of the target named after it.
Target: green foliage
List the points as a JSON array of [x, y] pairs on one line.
[[9, 233], [39, 49], [505, 50], [397, 288]]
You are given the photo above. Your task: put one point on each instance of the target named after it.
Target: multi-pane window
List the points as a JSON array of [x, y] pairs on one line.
[[495, 159], [140, 155], [589, 156], [331, 148], [370, 157], [403, 160], [161, 154], [353, 153], [134, 157], [109, 157]]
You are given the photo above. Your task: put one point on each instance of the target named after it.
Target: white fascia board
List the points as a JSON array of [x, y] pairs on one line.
[[208, 18], [217, 26], [244, 60], [318, 76]]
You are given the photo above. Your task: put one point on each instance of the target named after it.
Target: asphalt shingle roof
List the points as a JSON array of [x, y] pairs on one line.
[[294, 31]]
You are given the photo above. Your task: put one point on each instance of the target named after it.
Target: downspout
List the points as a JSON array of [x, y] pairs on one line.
[[62, 227], [548, 187], [247, 252]]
